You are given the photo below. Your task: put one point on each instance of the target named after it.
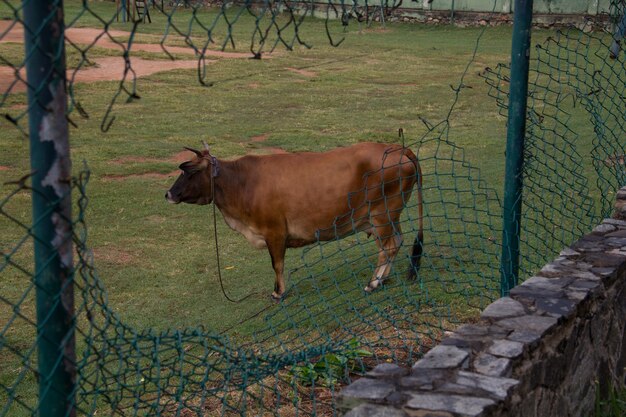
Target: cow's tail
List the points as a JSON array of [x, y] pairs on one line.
[[418, 243]]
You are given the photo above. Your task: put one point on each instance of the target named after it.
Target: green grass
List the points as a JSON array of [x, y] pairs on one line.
[[614, 405], [157, 261], [365, 90]]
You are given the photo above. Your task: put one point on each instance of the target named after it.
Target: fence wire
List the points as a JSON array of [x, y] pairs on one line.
[[327, 330], [572, 165]]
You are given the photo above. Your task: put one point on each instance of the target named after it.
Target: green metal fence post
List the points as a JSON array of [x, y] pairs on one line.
[[516, 130], [51, 201], [452, 13]]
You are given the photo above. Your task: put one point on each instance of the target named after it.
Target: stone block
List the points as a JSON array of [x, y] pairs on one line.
[[621, 234], [396, 398], [584, 285], [616, 241], [604, 260], [487, 364], [461, 342], [457, 404], [457, 389], [604, 228], [523, 293], [556, 307], [416, 384], [616, 222], [364, 390], [603, 271], [371, 410], [568, 252], [588, 275], [577, 296], [543, 283], [388, 370], [619, 251], [526, 337], [425, 379], [588, 244], [553, 269], [533, 323], [443, 357], [506, 349], [503, 308], [496, 388], [472, 330], [428, 413]]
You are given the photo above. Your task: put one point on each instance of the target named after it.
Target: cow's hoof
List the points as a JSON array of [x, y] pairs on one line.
[[373, 285], [277, 298], [370, 288]]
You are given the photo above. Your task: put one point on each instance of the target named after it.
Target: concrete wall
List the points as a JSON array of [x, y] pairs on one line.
[[542, 352], [591, 7], [585, 14]]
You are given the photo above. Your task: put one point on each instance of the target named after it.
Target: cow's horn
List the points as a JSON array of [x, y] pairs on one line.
[[197, 152], [206, 145]]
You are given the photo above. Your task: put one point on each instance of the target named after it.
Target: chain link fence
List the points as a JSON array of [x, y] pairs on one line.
[[65, 351]]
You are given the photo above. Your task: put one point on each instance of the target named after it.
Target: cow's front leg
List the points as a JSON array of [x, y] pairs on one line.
[[277, 249]]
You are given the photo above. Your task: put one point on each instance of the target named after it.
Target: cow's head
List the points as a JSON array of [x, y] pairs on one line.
[[193, 185]]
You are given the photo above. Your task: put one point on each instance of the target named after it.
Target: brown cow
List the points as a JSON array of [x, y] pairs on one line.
[[291, 200]]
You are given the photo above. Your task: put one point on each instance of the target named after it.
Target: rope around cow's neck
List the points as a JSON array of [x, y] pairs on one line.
[[219, 273], [217, 246]]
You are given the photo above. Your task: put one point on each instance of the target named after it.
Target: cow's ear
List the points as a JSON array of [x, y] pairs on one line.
[[191, 167], [187, 166]]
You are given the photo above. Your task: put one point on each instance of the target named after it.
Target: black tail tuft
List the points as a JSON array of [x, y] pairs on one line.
[[416, 256]]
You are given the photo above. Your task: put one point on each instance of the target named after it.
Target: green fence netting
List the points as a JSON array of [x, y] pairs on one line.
[[574, 151], [296, 355]]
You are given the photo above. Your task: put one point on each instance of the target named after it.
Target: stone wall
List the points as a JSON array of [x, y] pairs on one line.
[[543, 351]]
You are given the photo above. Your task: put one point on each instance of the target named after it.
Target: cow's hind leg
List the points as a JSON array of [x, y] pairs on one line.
[[277, 248], [388, 247]]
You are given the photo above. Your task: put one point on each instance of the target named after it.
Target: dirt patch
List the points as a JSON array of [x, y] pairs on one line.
[[114, 255], [112, 68], [302, 72], [266, 151], [254, 85], [145, 175], [260, 138], [276, 150], [182, 156], [4, 168], [113, 39], [106, 68]]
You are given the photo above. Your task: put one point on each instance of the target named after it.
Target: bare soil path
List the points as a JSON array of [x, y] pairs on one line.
[[107, 68]]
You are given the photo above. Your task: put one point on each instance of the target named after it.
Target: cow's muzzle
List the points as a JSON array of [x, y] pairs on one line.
[[170, 198]]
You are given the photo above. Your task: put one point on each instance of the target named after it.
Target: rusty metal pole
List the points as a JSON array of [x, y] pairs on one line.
[[51, 202]]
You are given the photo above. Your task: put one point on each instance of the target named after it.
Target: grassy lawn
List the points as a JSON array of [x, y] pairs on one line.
[[157, 261]]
